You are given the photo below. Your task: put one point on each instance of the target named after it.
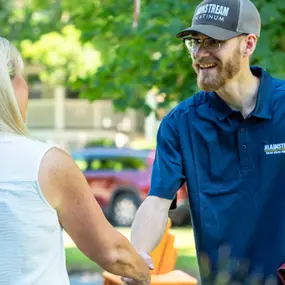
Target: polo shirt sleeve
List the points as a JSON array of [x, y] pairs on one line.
[[167, 173]]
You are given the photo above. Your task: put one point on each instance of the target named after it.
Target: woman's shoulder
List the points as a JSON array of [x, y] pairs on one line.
[[57, 163]]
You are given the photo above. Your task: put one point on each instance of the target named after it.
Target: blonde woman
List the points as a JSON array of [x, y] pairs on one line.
[[42, 192]]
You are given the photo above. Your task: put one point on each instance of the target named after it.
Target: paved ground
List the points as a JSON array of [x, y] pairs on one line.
[[86, 279]]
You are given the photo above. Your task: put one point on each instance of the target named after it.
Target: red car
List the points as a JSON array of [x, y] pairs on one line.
[[120, 181]]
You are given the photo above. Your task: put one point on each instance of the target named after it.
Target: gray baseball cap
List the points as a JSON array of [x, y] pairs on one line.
[[224, 19]]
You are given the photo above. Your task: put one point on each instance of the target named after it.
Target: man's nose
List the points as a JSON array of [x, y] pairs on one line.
[[200, 52]]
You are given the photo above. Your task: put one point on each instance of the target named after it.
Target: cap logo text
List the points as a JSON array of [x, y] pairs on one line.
[[212, 11]]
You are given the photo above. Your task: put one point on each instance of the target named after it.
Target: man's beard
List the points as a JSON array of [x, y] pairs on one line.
[[223, 73]]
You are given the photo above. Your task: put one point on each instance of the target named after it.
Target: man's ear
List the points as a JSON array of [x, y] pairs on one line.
[[250, 44]]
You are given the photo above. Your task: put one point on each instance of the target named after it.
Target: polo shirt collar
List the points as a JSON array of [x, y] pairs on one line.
[[263, 108]]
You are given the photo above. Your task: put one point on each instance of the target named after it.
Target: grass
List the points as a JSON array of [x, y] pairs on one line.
[[78, 262], [187, 261], [184, 242]]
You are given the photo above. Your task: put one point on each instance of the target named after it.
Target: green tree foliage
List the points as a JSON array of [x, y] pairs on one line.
[[270, 51], [65, 58], [5, 14], [23, 20], [136, 60], [133, 60]]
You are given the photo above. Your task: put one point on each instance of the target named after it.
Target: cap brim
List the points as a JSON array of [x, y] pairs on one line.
[[210, 31]]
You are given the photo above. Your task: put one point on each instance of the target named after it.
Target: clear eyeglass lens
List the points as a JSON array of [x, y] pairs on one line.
[[192, 44], [210, 45]]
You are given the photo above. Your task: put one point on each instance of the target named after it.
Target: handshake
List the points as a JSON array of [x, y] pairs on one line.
[[129, 281]]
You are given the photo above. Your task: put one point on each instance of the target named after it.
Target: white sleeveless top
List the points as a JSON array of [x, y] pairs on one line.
[[31, 241]]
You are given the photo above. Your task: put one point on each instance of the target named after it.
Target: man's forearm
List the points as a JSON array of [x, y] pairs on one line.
[[150, 223]]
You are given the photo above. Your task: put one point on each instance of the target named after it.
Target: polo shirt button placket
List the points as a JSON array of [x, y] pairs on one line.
[[243, 145]]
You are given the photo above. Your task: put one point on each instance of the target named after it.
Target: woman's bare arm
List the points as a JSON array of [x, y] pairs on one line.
[[67, 190]]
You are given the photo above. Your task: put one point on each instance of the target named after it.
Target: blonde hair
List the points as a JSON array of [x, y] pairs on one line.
[[11, 63]]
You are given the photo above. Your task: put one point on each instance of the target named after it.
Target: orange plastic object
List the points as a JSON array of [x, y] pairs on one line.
[[175, 277], [164, 258]]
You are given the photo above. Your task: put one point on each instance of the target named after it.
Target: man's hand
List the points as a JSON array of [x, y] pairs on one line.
[[148, 260]]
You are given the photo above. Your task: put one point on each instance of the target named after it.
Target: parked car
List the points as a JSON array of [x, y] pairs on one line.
[[120, 181]]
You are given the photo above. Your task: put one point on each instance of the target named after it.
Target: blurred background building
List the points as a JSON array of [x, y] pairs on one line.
[[58, 115]]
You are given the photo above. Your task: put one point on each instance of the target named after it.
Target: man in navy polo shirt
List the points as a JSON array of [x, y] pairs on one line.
[[227, 143]]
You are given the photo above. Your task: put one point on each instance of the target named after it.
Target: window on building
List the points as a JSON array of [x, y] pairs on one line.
[[70, 94], [35, 86]]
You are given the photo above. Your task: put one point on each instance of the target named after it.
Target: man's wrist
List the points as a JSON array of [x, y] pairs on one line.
[[148, 259]]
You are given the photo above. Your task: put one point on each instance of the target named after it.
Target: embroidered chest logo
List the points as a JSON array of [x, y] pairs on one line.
[[275, 148]]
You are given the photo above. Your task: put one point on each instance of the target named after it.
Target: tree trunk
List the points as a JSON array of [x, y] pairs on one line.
[[136, 13]]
